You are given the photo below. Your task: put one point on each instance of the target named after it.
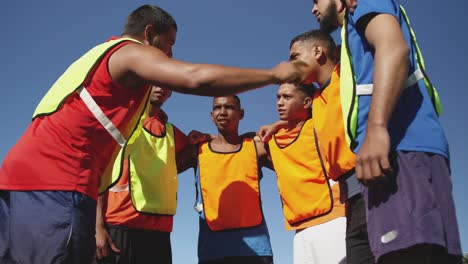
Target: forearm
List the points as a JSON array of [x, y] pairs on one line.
[[185, 158], [216, 80], [100, 211], [279, 124], [151, 65]]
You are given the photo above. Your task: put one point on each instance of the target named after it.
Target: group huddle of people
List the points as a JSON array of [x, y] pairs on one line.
[[361, 159]]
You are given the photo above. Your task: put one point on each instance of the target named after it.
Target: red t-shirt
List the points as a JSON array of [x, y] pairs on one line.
[[69, 149], [120, 210]]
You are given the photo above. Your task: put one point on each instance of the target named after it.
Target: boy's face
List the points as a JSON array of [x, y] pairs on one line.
[[226, 113], [291, 104], [159, 96], [304, 51]]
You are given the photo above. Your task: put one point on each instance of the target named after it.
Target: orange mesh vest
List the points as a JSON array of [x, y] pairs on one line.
[[230, 189], [304, 188], [328, 124]]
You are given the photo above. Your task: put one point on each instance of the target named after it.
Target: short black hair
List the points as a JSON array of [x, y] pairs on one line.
[[145, 15], [320, 36], [236, 98], [308, 89]]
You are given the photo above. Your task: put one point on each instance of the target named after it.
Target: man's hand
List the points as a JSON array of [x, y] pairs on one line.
[[104, 243], [266, 132], [287, 72], [372, 162]]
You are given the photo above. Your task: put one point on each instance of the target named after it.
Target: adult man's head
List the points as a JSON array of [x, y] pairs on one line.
[[315, 48], [227, 113], [159, 96], [153, 26], [294, 102], [329, 14]]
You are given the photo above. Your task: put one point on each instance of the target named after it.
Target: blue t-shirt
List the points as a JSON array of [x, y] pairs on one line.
[[213, 245], [414, 125]]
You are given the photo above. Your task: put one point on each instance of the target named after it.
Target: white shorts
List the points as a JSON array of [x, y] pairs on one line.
[[321, 244]]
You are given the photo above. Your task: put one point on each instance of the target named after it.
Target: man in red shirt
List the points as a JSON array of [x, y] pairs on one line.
[[49, 180]]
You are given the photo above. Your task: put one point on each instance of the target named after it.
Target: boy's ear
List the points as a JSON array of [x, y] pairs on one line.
[[307, 102], [318, 51], [242, 113], [148, 33]]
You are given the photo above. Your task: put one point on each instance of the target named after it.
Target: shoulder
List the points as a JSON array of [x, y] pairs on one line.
[[372, 7]]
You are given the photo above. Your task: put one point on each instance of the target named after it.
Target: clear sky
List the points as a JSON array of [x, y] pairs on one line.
[[41, 38]]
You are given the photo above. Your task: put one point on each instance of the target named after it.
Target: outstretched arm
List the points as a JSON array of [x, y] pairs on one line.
[[391, 64], [152, 65]]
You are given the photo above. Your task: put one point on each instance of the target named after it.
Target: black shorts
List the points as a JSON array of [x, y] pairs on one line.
[[139, 246]]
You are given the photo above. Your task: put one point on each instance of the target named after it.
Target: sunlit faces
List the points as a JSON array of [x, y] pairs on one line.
[[159, 96], [226, 113], [292, 103], [165, 41]]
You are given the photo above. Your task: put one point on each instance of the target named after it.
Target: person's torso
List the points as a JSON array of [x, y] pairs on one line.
[[306, 192], [228, 201], [69, 149], [158, 192], [414, 125]]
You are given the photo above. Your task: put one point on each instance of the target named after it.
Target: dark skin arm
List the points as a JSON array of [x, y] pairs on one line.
[[134, 65], [390, 73], [104, 242], [266, 132], [186, 158], [263, 154]]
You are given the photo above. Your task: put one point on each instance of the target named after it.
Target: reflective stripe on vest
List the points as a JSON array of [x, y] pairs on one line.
[[71, 81], [101, 117], [350, 89], [301, 175], [230, 187], [367, 89]]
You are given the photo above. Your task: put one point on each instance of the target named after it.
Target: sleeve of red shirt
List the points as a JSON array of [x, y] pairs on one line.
[[181, 140]]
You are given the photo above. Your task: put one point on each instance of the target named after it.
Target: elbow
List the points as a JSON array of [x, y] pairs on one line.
[[193, 81], [196, 82], [402, 52]]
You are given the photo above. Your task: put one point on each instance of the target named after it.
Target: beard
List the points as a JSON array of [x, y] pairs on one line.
[[328, 21]]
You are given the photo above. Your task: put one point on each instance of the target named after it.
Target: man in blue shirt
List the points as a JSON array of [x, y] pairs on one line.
[[402, 153]]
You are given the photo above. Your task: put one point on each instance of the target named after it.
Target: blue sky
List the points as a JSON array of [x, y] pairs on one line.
[[41, 38]]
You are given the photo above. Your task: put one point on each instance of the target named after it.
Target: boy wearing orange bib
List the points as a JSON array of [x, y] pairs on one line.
[[232, 225]]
